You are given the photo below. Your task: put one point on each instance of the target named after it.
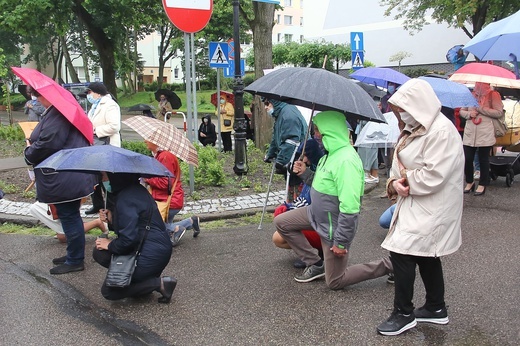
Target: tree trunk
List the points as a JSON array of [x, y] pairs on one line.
[[104, 46], [262, 27], [68, 62]]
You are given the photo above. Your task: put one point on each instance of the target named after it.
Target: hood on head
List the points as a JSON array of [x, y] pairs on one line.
[[119, 181], [207, 116], [277, 106], [333, 128], [417, 97]]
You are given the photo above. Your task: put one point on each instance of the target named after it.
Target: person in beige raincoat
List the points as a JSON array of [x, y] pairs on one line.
[[427, 177], [479, 134]]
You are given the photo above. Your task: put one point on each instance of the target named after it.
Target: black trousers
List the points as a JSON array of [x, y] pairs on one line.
[[142, 282], [483, 157], [226, 141], [430, 269]]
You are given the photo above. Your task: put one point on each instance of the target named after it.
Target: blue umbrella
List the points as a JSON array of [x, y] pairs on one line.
[[107, 158], [379, 76], [498, 40], [453, 51], [451, 94]]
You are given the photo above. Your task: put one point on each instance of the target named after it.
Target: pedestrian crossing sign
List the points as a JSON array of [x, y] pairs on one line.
[[218, 54], [357, 60]]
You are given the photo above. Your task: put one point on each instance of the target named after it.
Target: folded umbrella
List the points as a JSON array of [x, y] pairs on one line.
[[59, 97], [165, 136], [317, 89], [105, 158], [451, 94], [379, 76]]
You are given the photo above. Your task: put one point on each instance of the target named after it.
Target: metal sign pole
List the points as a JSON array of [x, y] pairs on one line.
[[187, 78], [218, 110]]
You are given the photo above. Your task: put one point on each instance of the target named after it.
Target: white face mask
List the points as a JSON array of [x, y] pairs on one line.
[[34, 98], [270, 112], [408, 119]]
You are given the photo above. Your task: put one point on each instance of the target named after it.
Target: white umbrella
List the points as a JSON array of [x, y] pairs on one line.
[[379, 135]]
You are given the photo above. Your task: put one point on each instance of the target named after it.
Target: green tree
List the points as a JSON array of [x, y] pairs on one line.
[[470, 16]]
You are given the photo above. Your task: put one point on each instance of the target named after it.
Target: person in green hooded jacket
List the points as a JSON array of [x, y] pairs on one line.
[[336, 193]]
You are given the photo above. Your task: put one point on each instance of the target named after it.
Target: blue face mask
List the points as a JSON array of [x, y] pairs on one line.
[[270, 112], [91, 98], [107, 186], [391, 89], [222, 101]]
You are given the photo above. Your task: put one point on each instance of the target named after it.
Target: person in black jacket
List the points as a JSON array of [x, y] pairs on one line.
[[62, 189], [207, 133], [134, 209]]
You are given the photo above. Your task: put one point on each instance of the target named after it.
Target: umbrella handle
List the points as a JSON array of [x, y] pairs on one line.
[[476, 121]]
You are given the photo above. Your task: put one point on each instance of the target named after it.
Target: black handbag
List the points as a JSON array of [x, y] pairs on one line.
[[122, 267]]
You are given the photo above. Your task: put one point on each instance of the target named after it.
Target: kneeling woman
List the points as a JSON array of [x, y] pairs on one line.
[[134, 209]]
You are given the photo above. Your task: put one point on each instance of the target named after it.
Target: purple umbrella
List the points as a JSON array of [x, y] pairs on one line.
[[379, 76]]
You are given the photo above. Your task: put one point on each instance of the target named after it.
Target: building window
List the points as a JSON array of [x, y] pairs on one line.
[[176, 73], [278, 21], [287, 3], [287, 20], [288, 37], [301, 21], [279, 38], [301, 38]]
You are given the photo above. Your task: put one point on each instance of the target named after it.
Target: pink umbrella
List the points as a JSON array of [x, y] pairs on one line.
[[59, 97], [486, 73]]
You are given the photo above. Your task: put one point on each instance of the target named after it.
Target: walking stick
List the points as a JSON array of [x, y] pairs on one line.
[[267, 195]]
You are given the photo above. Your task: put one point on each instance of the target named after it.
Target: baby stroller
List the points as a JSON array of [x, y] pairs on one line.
[[506, 165]]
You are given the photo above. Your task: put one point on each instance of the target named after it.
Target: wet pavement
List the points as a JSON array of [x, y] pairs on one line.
[[236, 288]]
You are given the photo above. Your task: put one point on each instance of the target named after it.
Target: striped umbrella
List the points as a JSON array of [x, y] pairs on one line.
[[165, 136]]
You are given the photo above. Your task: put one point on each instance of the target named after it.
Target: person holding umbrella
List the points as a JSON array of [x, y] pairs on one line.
[[62, 189], [164, 107], [133, 217]]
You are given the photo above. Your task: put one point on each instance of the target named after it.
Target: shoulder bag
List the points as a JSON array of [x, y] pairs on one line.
[[499, 125], [122, 267]]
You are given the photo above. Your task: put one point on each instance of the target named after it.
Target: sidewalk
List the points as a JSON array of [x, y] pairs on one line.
[[206, 209]]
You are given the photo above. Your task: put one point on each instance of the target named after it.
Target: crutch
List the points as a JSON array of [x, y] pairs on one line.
[[267, 195], [296, 145]]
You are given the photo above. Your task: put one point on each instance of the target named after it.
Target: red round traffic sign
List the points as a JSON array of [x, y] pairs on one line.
[[188, 15]]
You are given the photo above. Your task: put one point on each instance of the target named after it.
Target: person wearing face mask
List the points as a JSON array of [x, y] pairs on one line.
[[133, 211], [479, 134], [34, 109], [105, 116], [425, 179], [289, 129], [207, 132], [226, 113]]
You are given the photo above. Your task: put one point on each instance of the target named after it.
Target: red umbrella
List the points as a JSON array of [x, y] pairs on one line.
[[229, 97], [59, 97], [486, 73]]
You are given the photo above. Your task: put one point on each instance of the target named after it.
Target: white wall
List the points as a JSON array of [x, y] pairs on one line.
[[383, 36]]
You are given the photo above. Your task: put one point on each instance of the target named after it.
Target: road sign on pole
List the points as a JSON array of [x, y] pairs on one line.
[[357, 60], [357, 48], [218, 54], [356, 41], [229, 72], [188, 15]]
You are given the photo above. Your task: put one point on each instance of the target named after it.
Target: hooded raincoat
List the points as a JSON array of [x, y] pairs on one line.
[[338, 183], [208, 130], [289, 130], [427, 222]]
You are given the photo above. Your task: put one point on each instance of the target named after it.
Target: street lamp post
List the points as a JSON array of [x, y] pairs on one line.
[[240, 125]]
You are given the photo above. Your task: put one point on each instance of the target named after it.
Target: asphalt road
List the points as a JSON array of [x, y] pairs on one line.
[[235, 288]]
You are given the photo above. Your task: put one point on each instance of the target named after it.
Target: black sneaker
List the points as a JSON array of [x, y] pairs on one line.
[[67, 268], [196, 226], [390, 279], [59, 260], [311, 273], [438, 317], [397, 323]]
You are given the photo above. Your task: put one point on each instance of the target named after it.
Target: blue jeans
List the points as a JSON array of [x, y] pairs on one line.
[[170, 225], [386, 218], [72, 224]]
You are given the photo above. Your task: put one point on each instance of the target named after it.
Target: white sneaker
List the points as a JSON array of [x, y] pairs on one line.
[[372, 180], [476, 176]]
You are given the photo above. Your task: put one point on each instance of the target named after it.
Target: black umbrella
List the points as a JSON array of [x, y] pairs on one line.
[[172, 97], [372, 90], [22, 89], [317, 89], [140, 107]]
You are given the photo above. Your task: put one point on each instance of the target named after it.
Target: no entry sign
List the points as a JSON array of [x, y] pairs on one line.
[[188, 15]]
